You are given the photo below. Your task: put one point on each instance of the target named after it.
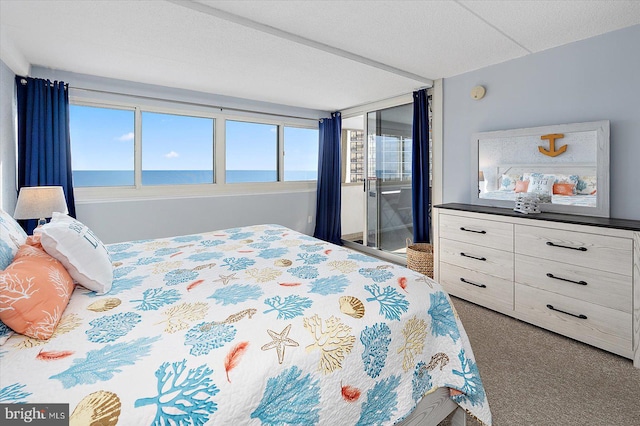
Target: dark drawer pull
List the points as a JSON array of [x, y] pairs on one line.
[[469, 282], [567, 313], [569, 281], [462, 228], [549, 243], [473, 257]]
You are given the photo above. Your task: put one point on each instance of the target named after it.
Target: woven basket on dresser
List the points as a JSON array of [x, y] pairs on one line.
[[420, 257]]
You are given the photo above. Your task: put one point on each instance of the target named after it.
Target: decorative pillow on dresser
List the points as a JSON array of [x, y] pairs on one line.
[[79, 250], [35, 290], [542, 185], [587, 185], [508, 182]]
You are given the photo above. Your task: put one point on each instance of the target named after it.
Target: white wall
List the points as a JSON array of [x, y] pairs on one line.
[[117, 221], [7, 139], [589, 80]]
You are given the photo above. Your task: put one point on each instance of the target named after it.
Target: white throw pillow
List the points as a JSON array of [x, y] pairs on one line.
[[79, 250], [12, 236], [543, 186]]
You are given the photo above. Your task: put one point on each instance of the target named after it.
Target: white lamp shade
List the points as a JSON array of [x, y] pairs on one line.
[[37, 202]]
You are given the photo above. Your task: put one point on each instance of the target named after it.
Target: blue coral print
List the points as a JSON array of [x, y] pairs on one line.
[[101, 364], [116, 248], [207, 336], [116, 257], [377, 275], [166, 251], [205, 256], [329, 285], [273, 253], [238, 264], [311, 247], [13, 394], [421, 381], [179, 276], [311, 258], [121, 285], [444, 323], [241, 236], [211, 243], [472, 389], [154, 298], [392, 303], [289, 399], [304, 272], [381, 402], [236, 294], [122, 271], [111, 327], [184, 397], [290, 307], [148, 260], [376, 340]]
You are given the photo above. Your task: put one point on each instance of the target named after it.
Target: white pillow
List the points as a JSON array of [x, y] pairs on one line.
[[543, 186], [12, 236], [79, 250]]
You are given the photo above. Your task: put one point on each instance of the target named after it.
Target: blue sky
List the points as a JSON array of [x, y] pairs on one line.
[[102, 139]]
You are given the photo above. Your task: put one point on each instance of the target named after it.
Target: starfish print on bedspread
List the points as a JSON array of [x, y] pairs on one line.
[[225, 279], [280, 341]]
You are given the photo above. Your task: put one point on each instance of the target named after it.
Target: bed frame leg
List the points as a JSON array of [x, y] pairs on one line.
[[459, 418]]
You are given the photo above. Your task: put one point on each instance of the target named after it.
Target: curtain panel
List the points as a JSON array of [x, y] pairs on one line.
[[328, 226], [44, 144], [420, 168]]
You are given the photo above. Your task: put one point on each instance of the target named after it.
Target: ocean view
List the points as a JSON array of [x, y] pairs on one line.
[[89, 178]]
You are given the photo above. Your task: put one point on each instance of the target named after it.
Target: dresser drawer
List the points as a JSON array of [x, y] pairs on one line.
[[612, 254], [603, 327], [591, 285], [483, 232], [477, 287], [478, 258]]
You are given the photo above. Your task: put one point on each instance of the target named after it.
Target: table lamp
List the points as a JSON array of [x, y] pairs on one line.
[[39, 202]]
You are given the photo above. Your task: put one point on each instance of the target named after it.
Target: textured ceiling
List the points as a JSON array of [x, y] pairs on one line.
[[312, 54]]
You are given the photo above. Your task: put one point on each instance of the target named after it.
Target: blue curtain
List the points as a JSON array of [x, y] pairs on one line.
[[420, 167], [329, 182], [44, 144]]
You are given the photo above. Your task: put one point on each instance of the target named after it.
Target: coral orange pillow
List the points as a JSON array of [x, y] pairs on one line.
[[564, 188], [522, 186], [34, 292]]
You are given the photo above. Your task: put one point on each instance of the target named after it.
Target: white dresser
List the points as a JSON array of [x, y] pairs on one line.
[[575, 275]]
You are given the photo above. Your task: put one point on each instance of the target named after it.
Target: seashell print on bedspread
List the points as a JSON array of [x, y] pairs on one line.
[[257, 325]]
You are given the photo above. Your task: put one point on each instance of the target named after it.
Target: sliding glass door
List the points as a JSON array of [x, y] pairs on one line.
[[376, 193], [388, 184]]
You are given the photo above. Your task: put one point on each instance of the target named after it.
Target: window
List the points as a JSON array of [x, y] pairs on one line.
[[355, 147], [166, 149], [102, 146], [300, 154], [252, 152], [176, 149]]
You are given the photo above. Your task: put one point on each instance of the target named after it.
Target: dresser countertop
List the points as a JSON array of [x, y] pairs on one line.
[[603, 222]]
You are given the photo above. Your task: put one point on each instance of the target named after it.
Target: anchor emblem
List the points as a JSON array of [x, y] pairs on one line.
[[552, 152]]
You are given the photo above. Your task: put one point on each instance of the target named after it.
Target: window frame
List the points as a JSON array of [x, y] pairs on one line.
[[219, 187]]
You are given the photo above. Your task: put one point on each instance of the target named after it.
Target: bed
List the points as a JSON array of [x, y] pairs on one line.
[[577, 179], [257, 325]]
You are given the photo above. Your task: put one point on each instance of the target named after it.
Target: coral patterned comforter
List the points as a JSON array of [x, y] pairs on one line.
[[258, 325]]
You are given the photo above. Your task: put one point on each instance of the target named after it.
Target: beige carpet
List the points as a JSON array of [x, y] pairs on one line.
[[536, 377]]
